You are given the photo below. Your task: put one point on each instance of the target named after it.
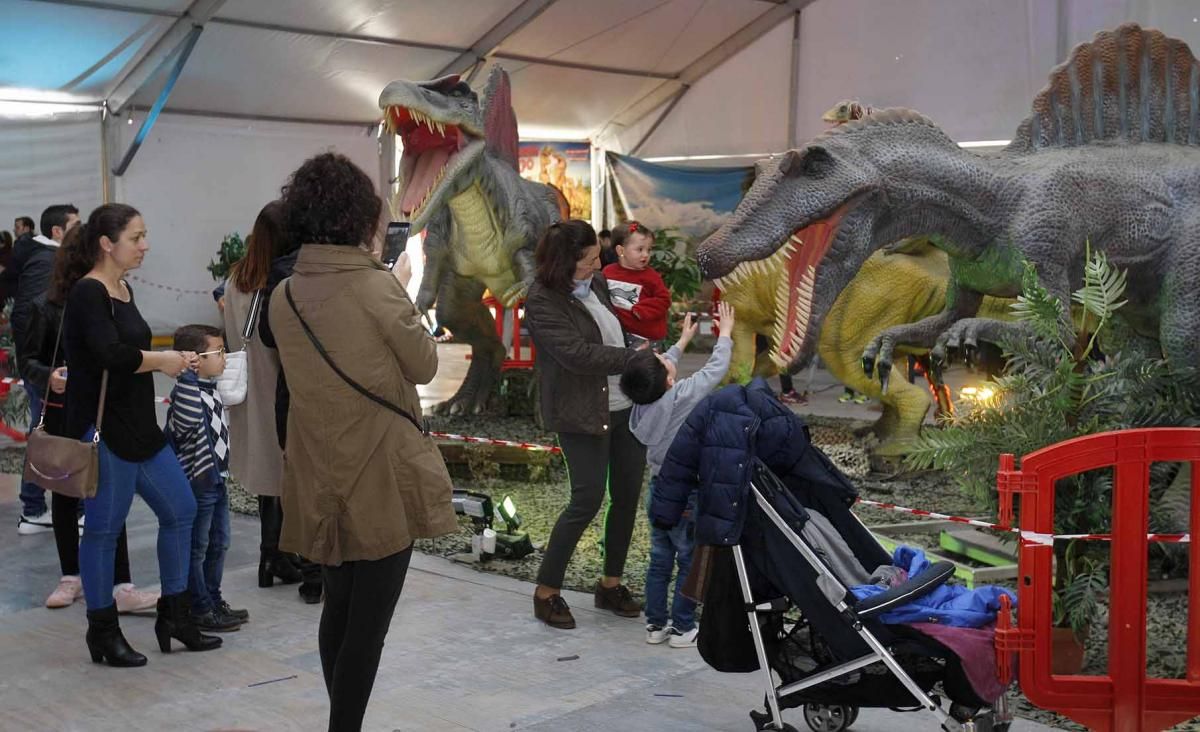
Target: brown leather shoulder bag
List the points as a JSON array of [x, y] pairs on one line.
[[61, 464]]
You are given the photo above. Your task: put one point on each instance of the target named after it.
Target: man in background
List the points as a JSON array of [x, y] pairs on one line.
[[32, 267]]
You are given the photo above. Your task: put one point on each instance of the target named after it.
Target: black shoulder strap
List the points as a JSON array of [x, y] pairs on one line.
[[287, 290]]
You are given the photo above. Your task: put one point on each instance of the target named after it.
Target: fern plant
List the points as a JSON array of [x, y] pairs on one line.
[[1057, 385]]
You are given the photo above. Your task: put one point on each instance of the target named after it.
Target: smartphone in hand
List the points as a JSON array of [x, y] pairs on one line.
[[395, 242]]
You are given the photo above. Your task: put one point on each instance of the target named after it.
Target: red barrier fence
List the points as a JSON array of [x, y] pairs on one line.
[[1124, 699]]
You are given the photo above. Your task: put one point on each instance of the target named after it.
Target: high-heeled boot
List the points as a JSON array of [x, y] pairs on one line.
[[105, 641], [272, 563], [175, 621]]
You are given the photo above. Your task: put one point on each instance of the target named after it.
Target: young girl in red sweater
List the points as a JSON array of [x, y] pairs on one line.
[[638, 293]]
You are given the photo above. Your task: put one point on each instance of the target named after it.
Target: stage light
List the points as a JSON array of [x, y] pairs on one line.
[[507, 512]]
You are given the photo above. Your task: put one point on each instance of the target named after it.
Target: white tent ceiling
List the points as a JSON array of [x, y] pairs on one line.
[[327, 61]]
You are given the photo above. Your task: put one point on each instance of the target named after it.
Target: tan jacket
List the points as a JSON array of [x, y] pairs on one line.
[[360, 482]]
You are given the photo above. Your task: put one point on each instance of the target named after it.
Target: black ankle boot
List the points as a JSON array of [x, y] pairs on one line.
[[273, 564], [106, 643], [175, 621]]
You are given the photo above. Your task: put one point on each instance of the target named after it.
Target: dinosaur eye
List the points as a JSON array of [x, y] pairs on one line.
[[811, 162]]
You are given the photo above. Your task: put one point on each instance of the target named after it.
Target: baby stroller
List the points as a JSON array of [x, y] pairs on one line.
[[829, 650]]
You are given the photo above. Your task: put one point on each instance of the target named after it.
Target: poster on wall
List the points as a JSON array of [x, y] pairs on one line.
[[565, 165], [695, 201]]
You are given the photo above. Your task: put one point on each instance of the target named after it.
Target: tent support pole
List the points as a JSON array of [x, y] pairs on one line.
[[184, 52], [794, 86]]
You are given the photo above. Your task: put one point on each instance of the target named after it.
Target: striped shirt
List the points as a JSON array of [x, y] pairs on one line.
[[196, 421]]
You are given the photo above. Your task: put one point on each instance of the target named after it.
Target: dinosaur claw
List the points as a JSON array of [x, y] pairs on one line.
[[868, 364], [883, 381]]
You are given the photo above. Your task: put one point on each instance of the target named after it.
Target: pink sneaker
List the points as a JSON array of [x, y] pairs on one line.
[[68, 591], [132, 600]]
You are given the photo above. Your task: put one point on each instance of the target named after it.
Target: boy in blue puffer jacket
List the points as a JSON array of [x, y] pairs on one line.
[[661, 405]]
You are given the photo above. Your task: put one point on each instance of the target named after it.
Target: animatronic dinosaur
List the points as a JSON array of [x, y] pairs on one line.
[[889, 290], [1110, 157], [459, 182]]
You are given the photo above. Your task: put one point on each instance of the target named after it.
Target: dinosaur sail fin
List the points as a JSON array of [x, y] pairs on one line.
[[499, 119], [1128, 84]]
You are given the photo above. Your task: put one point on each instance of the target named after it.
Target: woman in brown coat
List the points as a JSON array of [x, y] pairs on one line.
[[258, 463], [361, 481]]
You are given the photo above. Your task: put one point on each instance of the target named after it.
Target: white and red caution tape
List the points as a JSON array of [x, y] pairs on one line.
[[1032, 537], [532, 447]]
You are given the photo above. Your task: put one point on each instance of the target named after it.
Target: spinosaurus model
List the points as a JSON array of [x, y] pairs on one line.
[[1109, 158], [902, 287], [459, 182]]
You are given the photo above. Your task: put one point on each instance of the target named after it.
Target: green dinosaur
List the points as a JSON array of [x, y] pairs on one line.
[[1109, 159], [889, 289], [459, 182]]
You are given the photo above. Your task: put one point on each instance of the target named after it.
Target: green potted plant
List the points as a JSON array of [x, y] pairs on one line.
[[231, 250], [1057, 386], [670, 257]]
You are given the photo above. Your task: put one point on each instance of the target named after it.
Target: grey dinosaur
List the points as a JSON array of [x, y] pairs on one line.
[[459, 182], [1109, 158]]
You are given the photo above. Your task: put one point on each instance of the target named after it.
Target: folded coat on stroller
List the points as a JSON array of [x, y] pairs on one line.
[[788, 568]]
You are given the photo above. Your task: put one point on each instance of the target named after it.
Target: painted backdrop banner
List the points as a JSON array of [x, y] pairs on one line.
[[693, 200], [565, 165]]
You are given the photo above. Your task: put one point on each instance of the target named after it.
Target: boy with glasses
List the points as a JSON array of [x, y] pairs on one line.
[[198, 430]]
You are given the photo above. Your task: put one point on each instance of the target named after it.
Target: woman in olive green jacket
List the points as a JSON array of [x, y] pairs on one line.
[[361, 480]]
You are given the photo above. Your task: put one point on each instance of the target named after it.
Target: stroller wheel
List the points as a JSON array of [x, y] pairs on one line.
[[832, 718]]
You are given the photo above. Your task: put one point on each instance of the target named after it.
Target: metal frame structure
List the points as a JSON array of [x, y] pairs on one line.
[[878, 652]]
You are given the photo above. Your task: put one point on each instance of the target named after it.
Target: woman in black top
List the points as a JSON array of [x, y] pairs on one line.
[[42, 360], [103, 332]]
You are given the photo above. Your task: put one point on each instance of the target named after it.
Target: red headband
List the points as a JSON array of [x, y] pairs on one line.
[[633, 227]]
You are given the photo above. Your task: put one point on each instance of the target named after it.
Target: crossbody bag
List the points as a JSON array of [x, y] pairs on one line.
[[419, 424]]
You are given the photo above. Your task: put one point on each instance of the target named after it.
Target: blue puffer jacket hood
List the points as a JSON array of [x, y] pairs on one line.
[[715, 449]]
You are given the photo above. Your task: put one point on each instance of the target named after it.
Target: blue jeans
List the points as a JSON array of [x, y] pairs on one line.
[[162, 485], [210, 541], [33, 498], [668, 549]]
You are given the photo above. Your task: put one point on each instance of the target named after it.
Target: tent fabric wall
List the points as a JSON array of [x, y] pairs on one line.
[[196, 180], [973, 67], [48, 162]]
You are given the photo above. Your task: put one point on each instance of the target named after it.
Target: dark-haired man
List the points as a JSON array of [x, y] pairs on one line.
[[33, 266]]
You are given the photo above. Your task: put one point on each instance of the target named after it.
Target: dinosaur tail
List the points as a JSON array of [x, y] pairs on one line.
[[1127, 84]]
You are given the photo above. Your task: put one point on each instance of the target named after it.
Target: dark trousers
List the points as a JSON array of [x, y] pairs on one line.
[[64, 512], [360, 598], [614, 462]]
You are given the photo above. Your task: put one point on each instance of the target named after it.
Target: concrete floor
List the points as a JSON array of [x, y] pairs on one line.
[[463, 653]]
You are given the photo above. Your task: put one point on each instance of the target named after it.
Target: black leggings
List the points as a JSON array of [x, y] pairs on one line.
[[360, 598], [614, 461], [64, 515]]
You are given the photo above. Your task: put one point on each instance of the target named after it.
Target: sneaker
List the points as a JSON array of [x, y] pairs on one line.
[[846, 397], [68, 591], [656, 634], [27, 525], [861, 398], [618, 600], [214, 622], [792, 397], [681, 639], [241, 615], [553, 611], [132, 600]]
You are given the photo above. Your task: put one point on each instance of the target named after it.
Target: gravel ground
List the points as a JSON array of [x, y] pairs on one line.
[[539, 503]]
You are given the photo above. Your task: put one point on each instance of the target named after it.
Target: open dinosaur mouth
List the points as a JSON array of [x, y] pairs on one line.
[[429, 147], [797, 287], [792, 270]]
